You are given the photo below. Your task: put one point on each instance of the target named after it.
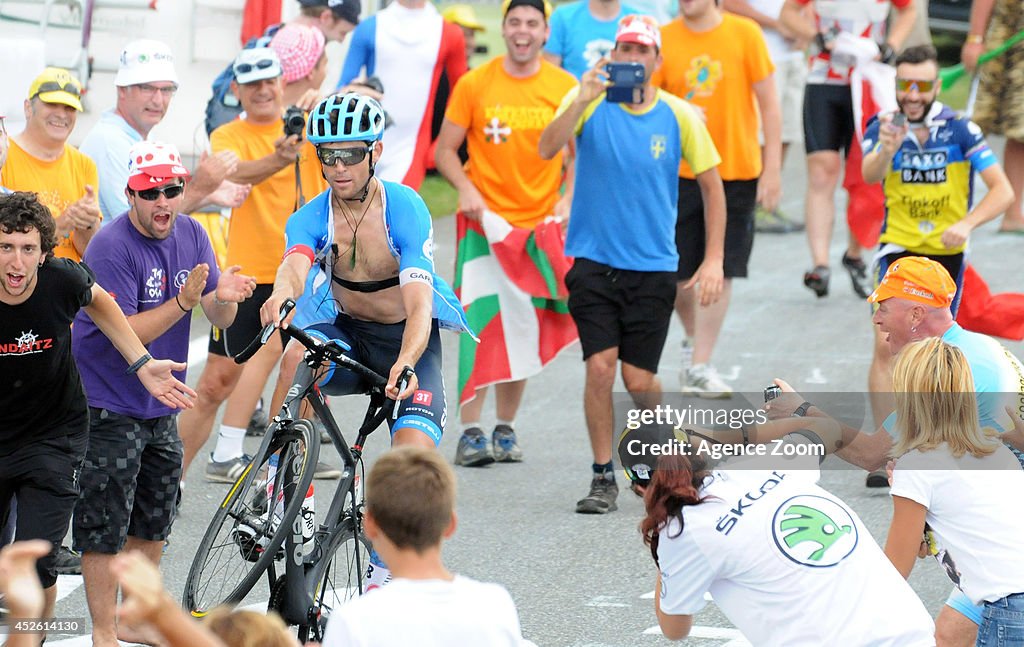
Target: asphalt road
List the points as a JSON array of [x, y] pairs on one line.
[[588, 580]]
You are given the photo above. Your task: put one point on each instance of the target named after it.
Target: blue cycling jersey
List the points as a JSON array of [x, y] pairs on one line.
[[410, 234]]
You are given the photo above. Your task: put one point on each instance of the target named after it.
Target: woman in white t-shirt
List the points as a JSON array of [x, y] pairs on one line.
[[958, 486], [785, 560]]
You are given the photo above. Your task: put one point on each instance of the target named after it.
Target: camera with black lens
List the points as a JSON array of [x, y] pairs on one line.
[[294, 121], [772, 392]]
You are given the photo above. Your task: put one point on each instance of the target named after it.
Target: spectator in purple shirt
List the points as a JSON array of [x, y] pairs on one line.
[[158, 265]]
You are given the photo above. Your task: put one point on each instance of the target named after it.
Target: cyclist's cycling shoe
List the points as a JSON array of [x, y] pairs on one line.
[[603, 492], [858, 275], [817, 280], [503, 442], [474, 449]]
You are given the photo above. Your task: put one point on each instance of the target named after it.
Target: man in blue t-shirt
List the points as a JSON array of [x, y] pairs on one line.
[[158, 265], [583, 32], [622, 232]]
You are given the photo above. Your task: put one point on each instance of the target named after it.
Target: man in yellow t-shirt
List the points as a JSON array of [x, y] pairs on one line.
[[719, 62], [500, 110], [284, 172], [41, 161]]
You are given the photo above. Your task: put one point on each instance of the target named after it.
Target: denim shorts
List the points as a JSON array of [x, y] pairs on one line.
[[1002, 623]]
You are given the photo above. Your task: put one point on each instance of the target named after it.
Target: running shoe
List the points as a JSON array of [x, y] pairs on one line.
[[774, 222], [601, 499], [69, 562], [817, 280], [703, 381], [226, 471], [858, 275], [474, 449], [506, 449], [258, 423]]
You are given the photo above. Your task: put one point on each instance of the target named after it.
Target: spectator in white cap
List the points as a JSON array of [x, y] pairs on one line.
[[146, 82], [303, 63]]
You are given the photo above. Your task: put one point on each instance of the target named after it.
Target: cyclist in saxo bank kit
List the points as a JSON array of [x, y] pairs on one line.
[[369, 244]]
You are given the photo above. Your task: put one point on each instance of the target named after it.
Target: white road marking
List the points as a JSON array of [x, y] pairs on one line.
[[66, 585], [605, 601], [733, 635], [732, 375]]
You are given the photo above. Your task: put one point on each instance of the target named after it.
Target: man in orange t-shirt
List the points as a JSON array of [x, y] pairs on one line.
[[283, 172], [41, 161], [719, 62], [500, 110]]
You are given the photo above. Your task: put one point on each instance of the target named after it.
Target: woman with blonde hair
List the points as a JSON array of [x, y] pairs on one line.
[[958, 486]]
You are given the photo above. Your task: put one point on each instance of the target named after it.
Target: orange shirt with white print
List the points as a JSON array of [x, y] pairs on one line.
[[716, 70], [256, 230], [504, 117], [58, 183]]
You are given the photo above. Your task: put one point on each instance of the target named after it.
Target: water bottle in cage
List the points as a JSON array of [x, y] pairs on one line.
[[307, 517]]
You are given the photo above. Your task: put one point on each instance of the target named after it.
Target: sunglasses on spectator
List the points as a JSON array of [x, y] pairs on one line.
[[52, 86], [169, 192], [149, 90], [245, 68], [906, 85], [347, 156]]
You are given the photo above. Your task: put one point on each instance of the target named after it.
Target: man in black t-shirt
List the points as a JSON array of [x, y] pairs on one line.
[[45, 430]]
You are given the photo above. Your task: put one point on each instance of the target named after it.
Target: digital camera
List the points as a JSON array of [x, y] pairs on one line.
[[627, 83], [294, 121], [772, 392]]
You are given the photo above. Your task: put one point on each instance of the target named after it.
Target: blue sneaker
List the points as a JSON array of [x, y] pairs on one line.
[[506, 449], [474, 449]]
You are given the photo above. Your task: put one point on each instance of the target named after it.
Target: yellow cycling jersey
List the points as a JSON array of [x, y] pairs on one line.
[[929, 186]]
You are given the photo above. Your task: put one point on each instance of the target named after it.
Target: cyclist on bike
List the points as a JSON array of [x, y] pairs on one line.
[[370, 244]]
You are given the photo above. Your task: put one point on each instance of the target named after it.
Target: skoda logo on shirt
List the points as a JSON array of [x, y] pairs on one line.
[[814, 531]]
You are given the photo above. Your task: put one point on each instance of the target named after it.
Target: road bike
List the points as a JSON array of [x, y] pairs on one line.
[[266, 523]]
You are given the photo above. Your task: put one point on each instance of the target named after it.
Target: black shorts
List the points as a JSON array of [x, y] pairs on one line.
[[376, 346], [43, 476], [621, 308], [740, 201], [233, 340], [828, 118], [954, 264], [129, 481]]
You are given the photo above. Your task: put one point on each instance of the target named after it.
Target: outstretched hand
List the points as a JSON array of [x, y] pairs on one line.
[[156, 376], [785, 404], [19, 582], [141, 586]]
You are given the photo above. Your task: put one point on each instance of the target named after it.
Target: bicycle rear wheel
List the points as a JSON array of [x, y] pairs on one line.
[[342, 577], [247, 532]]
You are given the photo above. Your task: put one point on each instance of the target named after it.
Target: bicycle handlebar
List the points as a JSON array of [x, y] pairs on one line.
[[324, 351]]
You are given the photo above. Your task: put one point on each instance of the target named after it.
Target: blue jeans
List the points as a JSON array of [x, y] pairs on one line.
[[1002, 623]]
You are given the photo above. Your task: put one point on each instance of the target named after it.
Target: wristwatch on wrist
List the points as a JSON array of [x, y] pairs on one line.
[[976, 39], [801, 411]]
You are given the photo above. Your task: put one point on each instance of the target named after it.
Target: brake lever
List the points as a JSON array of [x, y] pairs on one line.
[[403, 382]]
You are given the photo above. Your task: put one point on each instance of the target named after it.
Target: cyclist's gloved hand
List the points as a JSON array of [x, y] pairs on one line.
[[401, 373]]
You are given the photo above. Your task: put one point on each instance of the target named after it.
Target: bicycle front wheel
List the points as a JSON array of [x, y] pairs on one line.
[[249, 527], [344, 565]]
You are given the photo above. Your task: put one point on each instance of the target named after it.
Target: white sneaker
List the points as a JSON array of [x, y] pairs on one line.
[[685, 359], [702, 380]]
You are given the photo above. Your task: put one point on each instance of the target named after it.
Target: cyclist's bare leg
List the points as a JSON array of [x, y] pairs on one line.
[[219, 377], [411, 436], [101, 595]]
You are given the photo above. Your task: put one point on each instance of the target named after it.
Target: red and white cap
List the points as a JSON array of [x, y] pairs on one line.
[[642, 30], [152, 164]]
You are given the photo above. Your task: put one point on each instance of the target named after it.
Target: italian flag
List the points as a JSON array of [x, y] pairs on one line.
[[511, 282]]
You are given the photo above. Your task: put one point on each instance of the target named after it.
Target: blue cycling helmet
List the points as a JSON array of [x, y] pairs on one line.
[[349, 117]]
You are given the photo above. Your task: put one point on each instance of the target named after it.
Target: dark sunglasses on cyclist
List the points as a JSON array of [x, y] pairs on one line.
[[906, 85], [52, 86], [347, 156], [169, 192], [245, 68]]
